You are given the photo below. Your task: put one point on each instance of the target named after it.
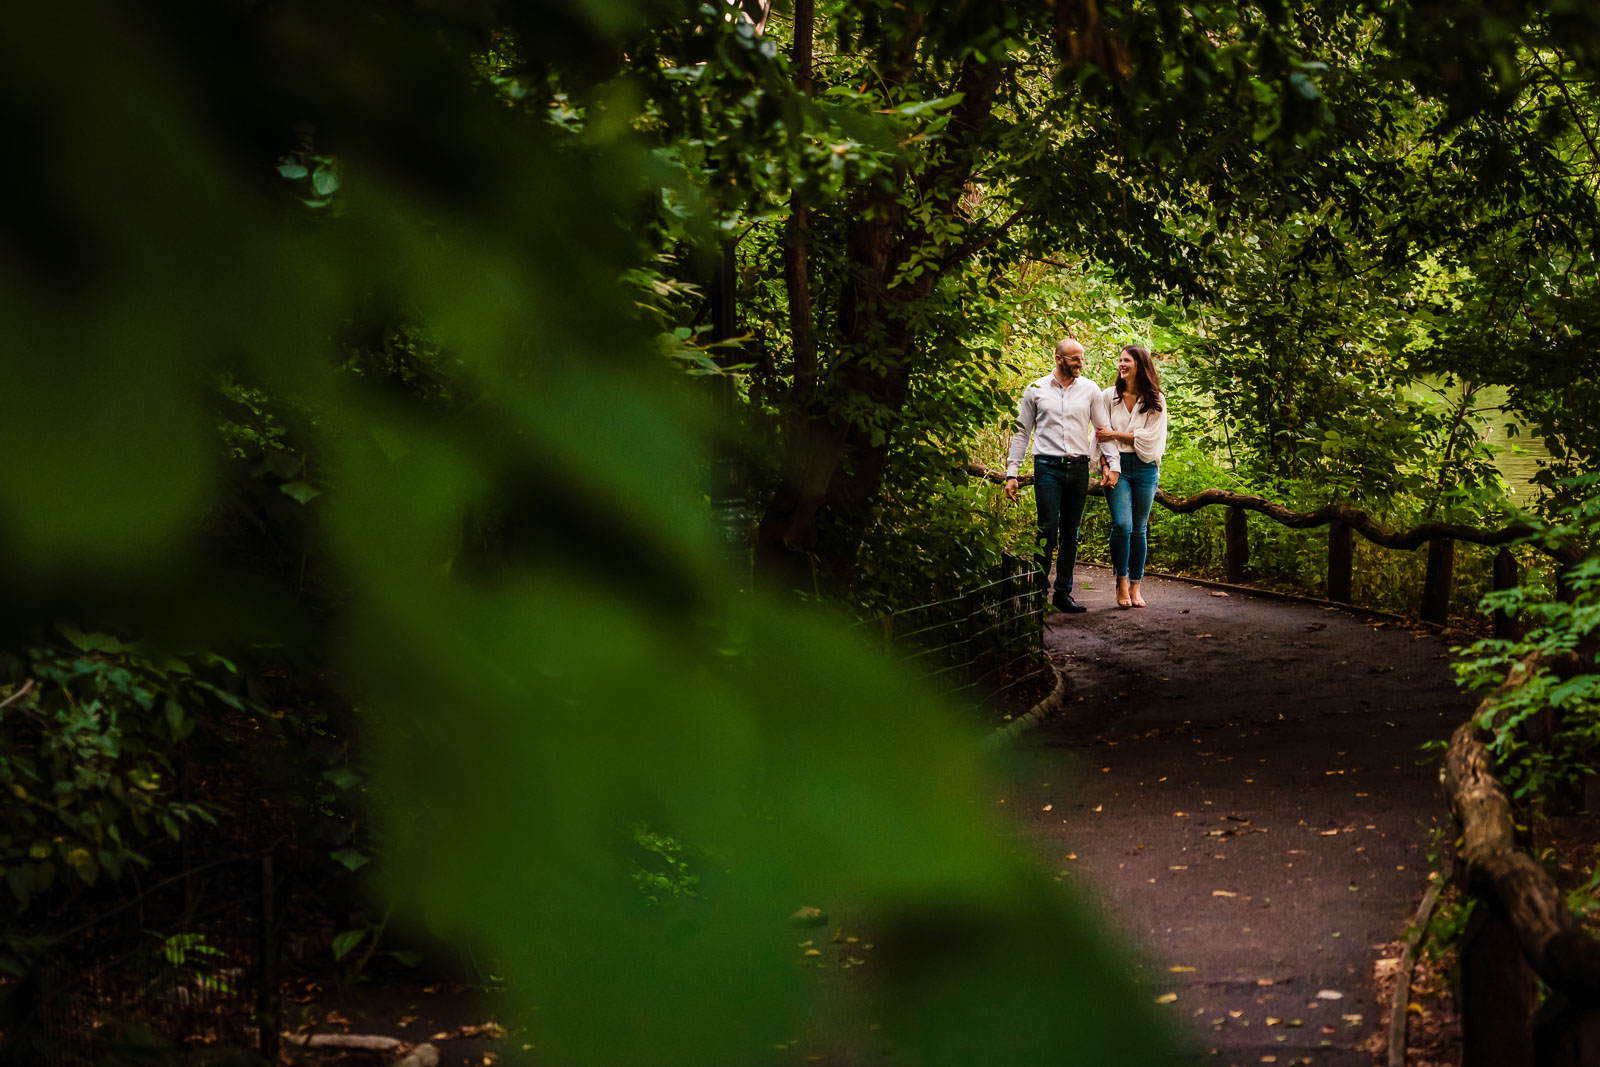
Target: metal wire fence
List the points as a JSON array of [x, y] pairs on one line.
[[190, 961], [980, 643]]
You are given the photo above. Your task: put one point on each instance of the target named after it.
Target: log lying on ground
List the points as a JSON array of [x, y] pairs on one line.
[[1354, 518], [1555, 946], [423, 1055], [364, 1042]]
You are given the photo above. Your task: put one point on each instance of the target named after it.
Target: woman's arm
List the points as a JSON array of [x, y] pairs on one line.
[[1149, 442]]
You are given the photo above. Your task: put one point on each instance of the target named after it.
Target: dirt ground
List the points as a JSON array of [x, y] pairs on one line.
[[1238, 781]]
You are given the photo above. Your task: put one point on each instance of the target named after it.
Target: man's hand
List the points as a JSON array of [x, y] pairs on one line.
[[1108, 477], [1011, 489]]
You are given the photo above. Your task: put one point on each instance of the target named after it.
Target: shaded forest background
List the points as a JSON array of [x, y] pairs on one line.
[[375, 424]]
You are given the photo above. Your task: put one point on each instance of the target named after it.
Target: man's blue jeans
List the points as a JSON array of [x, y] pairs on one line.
[[1130, 501], [1060, 487]]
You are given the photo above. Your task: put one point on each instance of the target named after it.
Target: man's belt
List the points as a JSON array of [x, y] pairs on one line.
[[1039, 457]]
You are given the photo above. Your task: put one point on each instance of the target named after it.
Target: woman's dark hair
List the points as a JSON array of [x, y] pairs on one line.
[[1149, 380]]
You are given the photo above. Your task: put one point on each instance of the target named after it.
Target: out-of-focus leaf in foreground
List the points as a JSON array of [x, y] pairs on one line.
[[532, 702]]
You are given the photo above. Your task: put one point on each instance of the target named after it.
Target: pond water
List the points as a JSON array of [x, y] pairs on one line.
[[1518, 458]]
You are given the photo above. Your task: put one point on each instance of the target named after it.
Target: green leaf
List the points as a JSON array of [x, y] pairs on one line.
[[89, 642], [20, 878], [325, 182], [343, 943], [350, 859], [178, 721], [292, 171], [342, 777], [301, 492]]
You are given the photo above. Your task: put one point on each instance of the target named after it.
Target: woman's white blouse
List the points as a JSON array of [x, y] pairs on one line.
[[1149, 428]]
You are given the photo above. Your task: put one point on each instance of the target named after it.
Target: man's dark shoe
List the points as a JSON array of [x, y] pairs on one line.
[[1064, 602]]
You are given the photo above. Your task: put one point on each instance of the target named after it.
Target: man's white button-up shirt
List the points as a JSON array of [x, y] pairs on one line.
[[1061, 420]]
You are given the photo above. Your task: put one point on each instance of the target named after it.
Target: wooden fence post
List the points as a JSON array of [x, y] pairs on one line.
[[1497, 994], [1564, 590], [1341, 555], [1506, 624], [1238, 542], [1436, 585]]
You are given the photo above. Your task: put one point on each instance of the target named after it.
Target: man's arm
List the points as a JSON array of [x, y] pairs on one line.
[[1027, 411]]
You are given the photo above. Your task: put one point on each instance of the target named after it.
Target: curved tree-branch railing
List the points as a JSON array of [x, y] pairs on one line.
[[1525, 929], [1343, 520]]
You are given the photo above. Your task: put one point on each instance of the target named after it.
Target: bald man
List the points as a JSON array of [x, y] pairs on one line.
[[1061, 411]]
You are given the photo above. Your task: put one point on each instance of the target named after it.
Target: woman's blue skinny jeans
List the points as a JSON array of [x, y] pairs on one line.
[[1130, 501]]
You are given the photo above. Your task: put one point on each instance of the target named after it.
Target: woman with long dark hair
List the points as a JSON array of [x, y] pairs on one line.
[[1138, 411]]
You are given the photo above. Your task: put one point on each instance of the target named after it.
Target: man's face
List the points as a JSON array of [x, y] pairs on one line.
[[1069, 361]]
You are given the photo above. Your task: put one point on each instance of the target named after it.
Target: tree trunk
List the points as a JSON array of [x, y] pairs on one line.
[[797, 233], [834, 465]]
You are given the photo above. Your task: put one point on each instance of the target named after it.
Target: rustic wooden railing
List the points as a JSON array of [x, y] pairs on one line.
[[1343, 521], [1522, 932]]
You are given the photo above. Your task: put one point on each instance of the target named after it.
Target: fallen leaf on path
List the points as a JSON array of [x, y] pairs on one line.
[[1097, 807], [1180, 815], [1222, 893], [1329, 994], [1235, 1014], [1166, 998], [1047, 807], [1273, 1022], [1219, 594]]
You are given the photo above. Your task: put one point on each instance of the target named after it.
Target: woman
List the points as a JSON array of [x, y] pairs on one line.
[[1139, 430]]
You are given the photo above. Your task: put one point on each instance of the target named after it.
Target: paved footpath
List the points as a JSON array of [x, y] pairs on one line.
[[1238, 781]]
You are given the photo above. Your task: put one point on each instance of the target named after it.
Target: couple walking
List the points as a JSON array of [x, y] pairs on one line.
[[1128, 424]]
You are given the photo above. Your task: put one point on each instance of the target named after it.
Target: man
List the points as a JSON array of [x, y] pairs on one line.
[[1060, 410]]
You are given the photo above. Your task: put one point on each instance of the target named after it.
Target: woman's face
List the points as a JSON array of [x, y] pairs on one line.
[[1128, 368]]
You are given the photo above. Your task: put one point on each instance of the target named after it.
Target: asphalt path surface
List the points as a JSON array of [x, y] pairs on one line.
[[1238, 781]]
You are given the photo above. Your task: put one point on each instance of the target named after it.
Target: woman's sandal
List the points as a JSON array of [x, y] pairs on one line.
[[1124, 600], [1133, 595]]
